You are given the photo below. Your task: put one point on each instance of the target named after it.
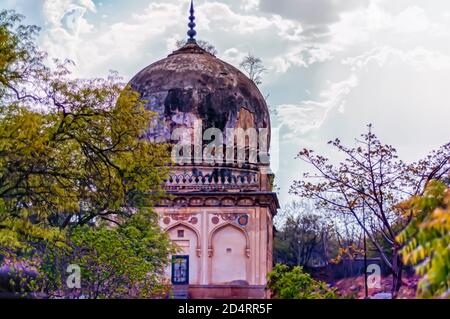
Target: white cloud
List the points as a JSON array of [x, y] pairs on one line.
[[68, 34], [55, 11], [302, 56], [65, 23], [281, 64], [223, 17], [89, 4], [234, 56], [412, 19], [311, 12], [248, 5], [419, 58], [377, 22], [96, 47], [310, 115], [294, 57]]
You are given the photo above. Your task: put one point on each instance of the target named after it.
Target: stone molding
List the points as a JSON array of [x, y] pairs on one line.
[[223, 199]]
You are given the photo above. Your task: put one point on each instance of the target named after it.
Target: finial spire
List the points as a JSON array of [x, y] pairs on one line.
[[192, 33]]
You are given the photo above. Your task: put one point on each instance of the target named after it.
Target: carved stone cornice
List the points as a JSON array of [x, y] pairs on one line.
[[221, 199]]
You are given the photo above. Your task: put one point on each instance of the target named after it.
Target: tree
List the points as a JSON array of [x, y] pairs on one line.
[[349, 240], [285, 283], [205, 45], [427, 238], [20, 60], [73, 148], [72, 151], [367, 185], [254, 68], [127, 261], [304, 237]]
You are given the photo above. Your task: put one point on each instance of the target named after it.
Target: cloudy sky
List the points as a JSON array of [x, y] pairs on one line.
[[334, 65]]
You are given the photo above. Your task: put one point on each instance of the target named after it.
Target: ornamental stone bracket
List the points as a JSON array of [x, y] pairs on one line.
[[210, 252]]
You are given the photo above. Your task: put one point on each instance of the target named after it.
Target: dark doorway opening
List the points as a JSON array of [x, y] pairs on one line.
[[180, 270]]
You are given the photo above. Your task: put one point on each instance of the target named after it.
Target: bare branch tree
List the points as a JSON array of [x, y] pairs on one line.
[[372, 178], [254, 68]]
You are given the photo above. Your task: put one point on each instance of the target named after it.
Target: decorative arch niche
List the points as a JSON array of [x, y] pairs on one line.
[[198, 247], [229, 254], [227, 224]]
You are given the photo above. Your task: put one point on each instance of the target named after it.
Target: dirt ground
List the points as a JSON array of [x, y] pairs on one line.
[[354, 287]]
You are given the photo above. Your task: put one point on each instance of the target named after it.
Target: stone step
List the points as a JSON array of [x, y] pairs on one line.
[[180, 292], [382, 295]]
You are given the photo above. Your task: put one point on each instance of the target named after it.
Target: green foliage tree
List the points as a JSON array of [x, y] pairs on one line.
[[73, 154], [126, 261], [427, 239], [286, 283], [20, 60]]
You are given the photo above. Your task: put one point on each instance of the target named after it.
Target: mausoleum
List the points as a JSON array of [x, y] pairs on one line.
[[221, 206]]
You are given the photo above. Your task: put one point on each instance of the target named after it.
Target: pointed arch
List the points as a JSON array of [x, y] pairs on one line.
[[226, 224], [198, 248]]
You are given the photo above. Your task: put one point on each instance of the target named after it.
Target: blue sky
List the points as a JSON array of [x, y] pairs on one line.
[[334, 65]]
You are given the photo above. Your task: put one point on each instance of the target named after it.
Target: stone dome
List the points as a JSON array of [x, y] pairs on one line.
[[191, 85]]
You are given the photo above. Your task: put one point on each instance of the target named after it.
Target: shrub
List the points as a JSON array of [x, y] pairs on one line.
[[286, 283]]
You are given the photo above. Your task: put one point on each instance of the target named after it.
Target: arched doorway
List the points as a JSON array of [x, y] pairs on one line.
[[229, 259], [187, 240]]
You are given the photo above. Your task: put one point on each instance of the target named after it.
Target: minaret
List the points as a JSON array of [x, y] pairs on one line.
[[192, 33]]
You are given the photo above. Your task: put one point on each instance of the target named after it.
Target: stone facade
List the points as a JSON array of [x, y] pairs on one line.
[[228, 238]]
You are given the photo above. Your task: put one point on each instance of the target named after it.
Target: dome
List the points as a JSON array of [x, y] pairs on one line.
[[192, 85], [195, 94]]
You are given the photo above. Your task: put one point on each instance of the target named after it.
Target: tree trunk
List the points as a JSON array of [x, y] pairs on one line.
[[397, 270]]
